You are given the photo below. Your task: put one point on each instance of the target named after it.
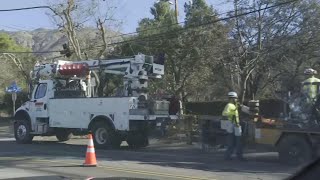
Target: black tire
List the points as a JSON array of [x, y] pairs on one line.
[[63, 134], [294, 150], [22, 131], [104, 137], [137, 140]]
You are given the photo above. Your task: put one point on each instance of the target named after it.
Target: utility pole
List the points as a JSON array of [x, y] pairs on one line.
[[176, 9]]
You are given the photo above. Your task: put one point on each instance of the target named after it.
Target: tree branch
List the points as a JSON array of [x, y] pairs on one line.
[[102, 31]]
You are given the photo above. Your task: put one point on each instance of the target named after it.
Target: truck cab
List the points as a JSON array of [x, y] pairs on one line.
[[39, 99], [29, 116]]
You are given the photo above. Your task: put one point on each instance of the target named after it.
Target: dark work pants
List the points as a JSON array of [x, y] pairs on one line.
[[233, 143]]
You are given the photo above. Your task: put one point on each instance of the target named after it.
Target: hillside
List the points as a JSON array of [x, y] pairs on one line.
[[49, 39]]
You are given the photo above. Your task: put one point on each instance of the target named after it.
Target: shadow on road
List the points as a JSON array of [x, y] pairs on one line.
[[176, 157], [67, 178], [41, 178], [119, 178]]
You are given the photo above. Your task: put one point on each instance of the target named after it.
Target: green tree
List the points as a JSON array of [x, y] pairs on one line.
[[159, 34], [190, 50], [14, 66], [203, 46], [8, 44]]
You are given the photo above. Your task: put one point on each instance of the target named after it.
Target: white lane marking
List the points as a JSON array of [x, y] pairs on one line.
[[7, 139]]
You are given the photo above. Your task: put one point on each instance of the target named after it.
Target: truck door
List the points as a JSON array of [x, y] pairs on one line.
[[39, 101]]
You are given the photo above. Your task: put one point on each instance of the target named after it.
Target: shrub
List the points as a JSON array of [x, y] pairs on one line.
[[7, 104]]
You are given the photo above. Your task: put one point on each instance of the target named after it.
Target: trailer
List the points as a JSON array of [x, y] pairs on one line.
[[295, 140], [295, 145]]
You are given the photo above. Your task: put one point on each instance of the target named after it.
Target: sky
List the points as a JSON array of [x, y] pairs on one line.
[[130, 12]]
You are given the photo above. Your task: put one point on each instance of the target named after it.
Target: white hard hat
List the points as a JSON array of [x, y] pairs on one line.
[[310, 71], [232, 95]]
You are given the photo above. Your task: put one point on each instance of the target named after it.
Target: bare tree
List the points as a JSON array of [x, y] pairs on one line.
[[254, 38], [65, 22], [71, 15]]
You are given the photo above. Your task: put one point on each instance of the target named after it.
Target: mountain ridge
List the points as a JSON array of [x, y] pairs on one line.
[[42, 39]]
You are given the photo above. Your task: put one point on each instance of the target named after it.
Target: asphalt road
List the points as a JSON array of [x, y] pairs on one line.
[[48, 159]]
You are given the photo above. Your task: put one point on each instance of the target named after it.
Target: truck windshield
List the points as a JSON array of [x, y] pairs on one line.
[[41, 91]]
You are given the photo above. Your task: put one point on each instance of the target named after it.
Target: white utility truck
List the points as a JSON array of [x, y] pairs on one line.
[[62, 102]]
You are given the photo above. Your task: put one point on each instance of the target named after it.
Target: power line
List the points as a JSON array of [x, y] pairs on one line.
[[223, 19], [160, 35], [26, 8], [172, 32], [165, 27]]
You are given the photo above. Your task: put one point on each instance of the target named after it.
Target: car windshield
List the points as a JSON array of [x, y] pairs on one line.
[[159, 89]]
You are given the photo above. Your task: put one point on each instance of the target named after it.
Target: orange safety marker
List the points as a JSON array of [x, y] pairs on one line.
[[91, 160]]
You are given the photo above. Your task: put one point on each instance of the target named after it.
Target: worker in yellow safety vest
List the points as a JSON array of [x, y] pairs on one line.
[[231, 113], [309, 86]]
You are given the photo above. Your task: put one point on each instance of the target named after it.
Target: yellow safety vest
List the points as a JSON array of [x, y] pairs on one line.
[[310, 89], [231, 111]]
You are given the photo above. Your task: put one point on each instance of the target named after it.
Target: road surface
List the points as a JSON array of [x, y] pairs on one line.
[[48, 159]]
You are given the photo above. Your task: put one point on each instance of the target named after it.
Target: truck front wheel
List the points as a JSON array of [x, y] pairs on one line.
[[294, 149], [104, 136], [63, 134], [22, 132]]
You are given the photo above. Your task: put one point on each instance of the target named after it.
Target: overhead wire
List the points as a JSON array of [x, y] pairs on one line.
[[157, 36], [26, 8], [22, 9], [170, 25], [222, 19], [172, 32]]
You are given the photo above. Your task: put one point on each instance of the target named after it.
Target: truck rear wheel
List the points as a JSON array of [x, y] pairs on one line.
[[22, 132], [294, 149], [137, 140], [63, 134], [104, 136]]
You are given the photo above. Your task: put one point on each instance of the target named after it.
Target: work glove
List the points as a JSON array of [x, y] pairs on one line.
[[239, 105]]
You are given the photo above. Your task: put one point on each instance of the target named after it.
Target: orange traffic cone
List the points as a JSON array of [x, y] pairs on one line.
[[91, 160]]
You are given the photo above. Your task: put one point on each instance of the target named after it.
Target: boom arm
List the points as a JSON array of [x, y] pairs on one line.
[[136, 71], [128, 66]]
